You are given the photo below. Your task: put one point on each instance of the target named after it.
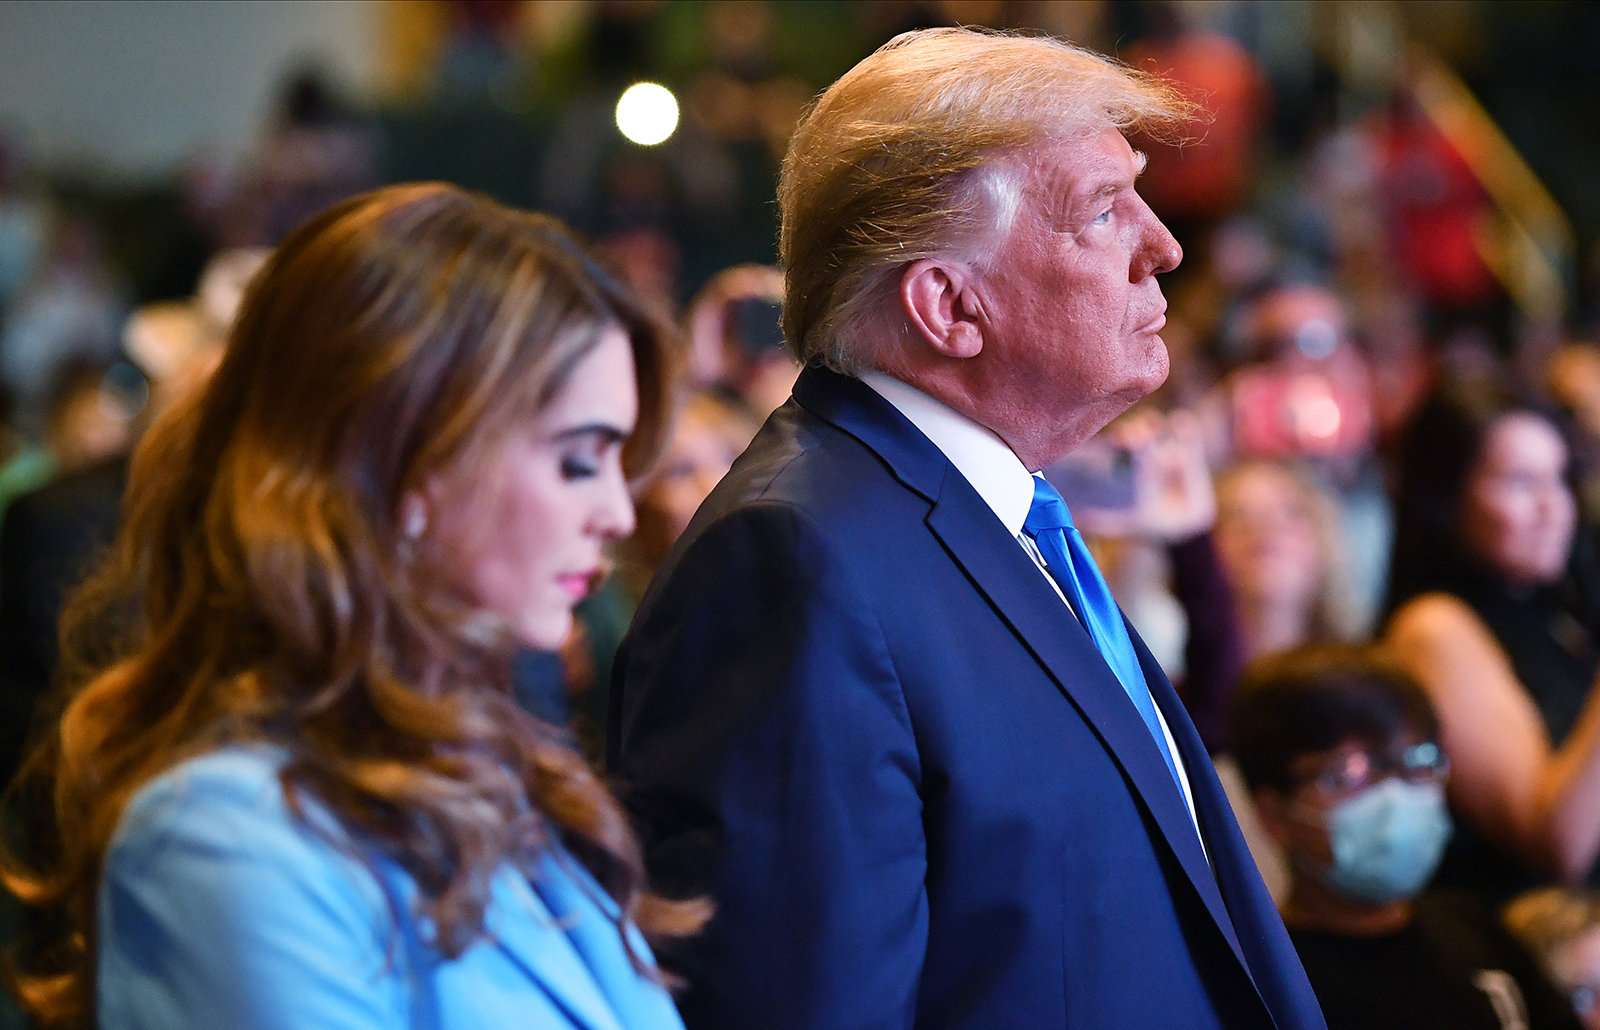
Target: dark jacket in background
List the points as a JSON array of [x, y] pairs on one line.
[[49, 540]]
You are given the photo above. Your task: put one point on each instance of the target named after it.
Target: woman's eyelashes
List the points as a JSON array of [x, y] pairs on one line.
[[575, 467], [586, 457], [587, 451]]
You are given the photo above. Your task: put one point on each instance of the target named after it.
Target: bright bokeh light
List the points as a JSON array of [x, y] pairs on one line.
[[1321, 419], [647, 113]]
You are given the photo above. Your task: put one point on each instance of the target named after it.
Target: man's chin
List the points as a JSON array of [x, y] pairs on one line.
[[1158, 367], [1141, 386]]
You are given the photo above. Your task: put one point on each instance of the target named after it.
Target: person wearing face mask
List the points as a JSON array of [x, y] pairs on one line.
[[1340, 749], [1495, 598]]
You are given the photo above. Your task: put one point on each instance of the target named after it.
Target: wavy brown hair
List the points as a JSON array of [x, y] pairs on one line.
[[265, 592]]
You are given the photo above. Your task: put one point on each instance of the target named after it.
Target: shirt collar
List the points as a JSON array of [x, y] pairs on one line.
[[985, 461]]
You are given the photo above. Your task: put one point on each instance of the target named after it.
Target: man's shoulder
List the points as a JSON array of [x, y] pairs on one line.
[[801, 461], [805, 501]]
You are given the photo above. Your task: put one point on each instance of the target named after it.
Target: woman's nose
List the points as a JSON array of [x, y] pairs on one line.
[[614, 514]]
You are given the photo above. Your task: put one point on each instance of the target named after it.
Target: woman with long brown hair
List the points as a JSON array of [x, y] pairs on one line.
[[301, 794]]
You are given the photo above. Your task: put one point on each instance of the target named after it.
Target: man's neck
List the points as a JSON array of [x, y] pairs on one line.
[[1037, 442], [982, 457]]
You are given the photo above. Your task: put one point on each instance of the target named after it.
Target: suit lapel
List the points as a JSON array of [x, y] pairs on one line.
[[536, 941], [1203, 786], [1002, 572]]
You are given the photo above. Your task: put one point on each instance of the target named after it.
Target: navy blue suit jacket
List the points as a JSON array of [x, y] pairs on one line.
[[854, 712]]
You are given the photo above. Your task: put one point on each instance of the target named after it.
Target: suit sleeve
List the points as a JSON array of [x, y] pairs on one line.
[[766, 751], [215, 911]]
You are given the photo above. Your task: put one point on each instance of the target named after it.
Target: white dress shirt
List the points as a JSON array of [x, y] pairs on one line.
[[1005, 485]]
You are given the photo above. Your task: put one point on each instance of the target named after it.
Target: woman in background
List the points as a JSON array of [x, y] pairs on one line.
[[302, 795], [709, 435], [1279, 545], [1278, 538], [1495, 612]]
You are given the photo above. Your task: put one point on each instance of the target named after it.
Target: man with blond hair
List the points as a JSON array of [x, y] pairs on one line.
[[878, 703]]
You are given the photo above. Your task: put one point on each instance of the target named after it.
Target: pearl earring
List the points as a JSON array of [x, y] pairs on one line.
[[414, 520]]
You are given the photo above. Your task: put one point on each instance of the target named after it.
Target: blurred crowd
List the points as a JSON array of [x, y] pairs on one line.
[[1358, 526]]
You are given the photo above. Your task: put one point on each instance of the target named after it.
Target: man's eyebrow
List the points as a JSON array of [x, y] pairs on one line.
[[1106, 190], [1109, 189]]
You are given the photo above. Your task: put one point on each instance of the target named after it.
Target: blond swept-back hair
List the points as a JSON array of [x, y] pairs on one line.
[[896, 162]]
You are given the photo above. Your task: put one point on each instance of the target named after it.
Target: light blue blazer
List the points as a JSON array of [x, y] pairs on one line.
[[219, 909]]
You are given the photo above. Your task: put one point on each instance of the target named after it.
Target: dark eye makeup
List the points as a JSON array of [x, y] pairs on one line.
[[575, 468], [584, 449]]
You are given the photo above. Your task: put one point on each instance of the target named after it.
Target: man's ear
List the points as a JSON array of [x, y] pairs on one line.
[[942, 307]]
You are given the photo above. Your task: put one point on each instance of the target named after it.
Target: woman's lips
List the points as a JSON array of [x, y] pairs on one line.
[[578, 584]]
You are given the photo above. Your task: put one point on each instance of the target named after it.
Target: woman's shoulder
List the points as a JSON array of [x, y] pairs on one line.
[[210, 861], [230, 787], [227, 805], [211, 850], [1437, 617], [218, 898], [240, 772], [1458, 659]]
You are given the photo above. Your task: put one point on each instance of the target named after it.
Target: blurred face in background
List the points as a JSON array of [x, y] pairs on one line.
[[1367, 818], [1268, 536], [89, 425], [1517, 511], [1305, 321], [525, 529], [707, 439]]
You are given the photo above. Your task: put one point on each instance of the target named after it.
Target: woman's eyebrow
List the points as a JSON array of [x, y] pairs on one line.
[[606, 431]]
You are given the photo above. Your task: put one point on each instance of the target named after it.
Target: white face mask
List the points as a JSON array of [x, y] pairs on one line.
[[1387, 840]]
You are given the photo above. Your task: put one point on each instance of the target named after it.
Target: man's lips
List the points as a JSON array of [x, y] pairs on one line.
[[1155, 325]]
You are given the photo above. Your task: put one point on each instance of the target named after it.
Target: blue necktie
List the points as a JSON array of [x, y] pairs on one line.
[[1050, 524]]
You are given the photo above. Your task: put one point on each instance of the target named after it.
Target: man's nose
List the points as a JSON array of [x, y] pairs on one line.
[[1158, 252]]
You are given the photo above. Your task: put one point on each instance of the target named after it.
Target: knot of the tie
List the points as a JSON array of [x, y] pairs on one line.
[[1048, 511]]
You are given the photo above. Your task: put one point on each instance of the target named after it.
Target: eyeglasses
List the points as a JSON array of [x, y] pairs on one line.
[[1354, 771]]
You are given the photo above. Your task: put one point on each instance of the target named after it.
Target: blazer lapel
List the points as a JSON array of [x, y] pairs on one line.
[[589, 915], [854, 407], [536, 940]]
